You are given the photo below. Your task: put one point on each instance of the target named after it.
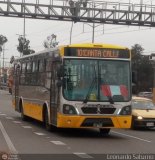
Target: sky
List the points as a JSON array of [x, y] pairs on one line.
[[37, 32]]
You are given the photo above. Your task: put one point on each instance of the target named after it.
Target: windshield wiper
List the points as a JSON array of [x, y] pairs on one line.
[[110, 99], [94, 81]]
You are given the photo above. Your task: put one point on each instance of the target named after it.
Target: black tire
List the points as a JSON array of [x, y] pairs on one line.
[[48, 126], [104, 131], [133, 124], [23, 116]]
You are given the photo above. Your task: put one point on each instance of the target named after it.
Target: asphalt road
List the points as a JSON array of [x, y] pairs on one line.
[[29, 140]]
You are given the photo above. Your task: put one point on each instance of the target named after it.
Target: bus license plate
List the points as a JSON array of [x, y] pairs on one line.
[[97, 124], [149, 124]]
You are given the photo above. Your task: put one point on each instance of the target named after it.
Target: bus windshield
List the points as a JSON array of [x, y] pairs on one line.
[[96, 80]]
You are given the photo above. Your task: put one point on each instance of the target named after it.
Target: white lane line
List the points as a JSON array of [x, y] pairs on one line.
[[9, 118], [58, 142], [39, 133], [82, 155], [145, 140], [8, 140], [27, 127], [2, 114], [17, 122], [48, 137]]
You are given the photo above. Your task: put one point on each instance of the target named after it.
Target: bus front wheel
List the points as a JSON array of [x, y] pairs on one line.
[[23, 116], [48, 126], [104, 131]]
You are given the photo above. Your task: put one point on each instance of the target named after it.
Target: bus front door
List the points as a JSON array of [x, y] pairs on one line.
[[53, 95]]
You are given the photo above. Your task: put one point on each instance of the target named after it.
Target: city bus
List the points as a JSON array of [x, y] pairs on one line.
[[75, 86]]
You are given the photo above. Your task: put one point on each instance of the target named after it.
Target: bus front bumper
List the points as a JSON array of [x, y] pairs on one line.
[[70, 121]]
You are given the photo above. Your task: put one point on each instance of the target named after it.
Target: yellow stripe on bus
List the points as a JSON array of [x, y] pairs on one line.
[[33, 110]]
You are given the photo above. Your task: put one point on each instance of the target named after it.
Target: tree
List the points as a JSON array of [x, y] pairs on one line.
[[51, 41], [3, 40], [24, 47], [141, 65]]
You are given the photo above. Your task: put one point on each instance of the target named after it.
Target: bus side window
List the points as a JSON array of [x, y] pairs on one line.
[[29, 67], [48, 65], [22, 76], [34, 66], [40, 66], [23, 68]]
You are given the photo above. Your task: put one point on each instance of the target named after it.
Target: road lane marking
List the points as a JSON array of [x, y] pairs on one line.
[[9, 118], [58, 142], [48, 137], [132, 136], [39, 133], [27, 127], [8, 140], [17, 122], [82, 155], [2, 114]]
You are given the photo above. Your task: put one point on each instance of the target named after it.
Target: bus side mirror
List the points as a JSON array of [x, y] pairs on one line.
[[60, 71]]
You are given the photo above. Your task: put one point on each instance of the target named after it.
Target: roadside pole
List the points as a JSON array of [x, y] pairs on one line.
[[152, 59]]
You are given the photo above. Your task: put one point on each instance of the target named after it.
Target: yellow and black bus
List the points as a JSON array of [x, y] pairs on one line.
[[75, 86]]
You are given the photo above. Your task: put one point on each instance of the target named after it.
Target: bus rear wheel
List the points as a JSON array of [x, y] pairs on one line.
[[104, 131]]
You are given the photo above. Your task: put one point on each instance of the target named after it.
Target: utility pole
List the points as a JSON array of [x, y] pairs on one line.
[[93, 34], [3, 63], [152, 59], [0, 67], [24, 20], [71, 33], [93, 25], [3, 40], [3, 67], [93, 30]]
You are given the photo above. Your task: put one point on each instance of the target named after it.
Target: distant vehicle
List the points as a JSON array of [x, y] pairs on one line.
[[145, 94], [143, 113]]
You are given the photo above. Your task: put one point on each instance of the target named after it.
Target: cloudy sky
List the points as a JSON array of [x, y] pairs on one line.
[[38, 30]]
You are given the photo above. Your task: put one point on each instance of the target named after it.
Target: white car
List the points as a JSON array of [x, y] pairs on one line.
[[145, 94]]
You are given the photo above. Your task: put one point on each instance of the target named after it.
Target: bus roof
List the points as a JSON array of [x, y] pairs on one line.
[[81, 45], [95, 45], [37, 53]]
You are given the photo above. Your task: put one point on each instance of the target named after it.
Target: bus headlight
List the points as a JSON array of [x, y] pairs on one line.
[[69, 109], [126, 110]]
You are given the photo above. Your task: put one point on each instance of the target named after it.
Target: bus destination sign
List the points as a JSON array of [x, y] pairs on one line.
[[97, 52]]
